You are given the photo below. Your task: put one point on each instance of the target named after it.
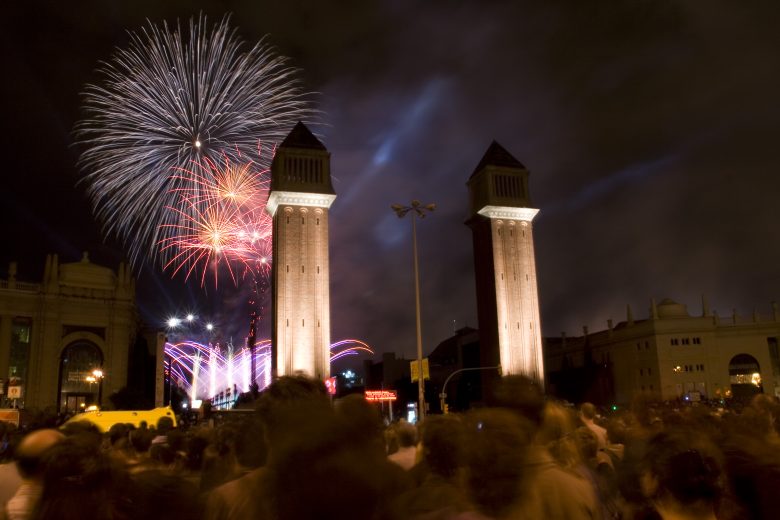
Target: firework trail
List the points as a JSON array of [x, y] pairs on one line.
[[176, 100]]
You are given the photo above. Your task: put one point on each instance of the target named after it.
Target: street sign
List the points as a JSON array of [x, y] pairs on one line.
[[415, 368]]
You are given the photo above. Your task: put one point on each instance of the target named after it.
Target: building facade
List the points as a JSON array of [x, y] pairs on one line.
[[64, 342], [670, 355], [301, 195], [501, 220]]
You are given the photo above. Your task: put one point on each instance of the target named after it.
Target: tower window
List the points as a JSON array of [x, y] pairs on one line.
[[318, 269], [303, 220], [288, 268], [303, 323], [318, 222], [302, 269]]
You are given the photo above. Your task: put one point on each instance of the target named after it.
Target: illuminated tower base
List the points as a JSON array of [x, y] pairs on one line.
[[300, 197], [507, 295]]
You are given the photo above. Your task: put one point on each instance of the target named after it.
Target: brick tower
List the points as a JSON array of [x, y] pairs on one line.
[[507, 297], [300, 197]]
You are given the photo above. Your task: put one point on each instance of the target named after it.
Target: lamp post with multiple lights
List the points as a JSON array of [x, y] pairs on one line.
[[416, 210]]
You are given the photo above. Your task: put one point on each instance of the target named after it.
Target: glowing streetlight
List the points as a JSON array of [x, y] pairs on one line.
[[416, 210], [209, 326], [173, 323], [190, 317]]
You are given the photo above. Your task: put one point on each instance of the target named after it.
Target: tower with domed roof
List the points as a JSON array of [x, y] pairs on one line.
[[300, 196], [501, 220]]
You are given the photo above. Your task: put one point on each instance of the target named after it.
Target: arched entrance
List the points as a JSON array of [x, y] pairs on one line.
[[745, 376], [80, 385]]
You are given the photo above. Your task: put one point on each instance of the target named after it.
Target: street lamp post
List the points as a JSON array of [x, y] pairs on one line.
[[416, 210]]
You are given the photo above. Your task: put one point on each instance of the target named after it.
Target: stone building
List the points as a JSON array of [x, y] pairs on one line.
[[64, 342], [669, 355]]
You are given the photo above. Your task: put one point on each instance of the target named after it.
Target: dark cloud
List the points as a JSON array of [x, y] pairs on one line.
[[648, 126]]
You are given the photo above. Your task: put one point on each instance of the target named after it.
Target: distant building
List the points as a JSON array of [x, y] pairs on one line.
[[670, 355], [64, 342]]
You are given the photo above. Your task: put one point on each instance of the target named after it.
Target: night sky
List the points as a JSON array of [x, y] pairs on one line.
[[651, 129]]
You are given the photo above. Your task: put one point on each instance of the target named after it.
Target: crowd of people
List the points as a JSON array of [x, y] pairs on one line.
[[301, 456]]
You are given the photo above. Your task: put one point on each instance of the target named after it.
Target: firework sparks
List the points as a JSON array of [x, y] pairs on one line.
[[174, 101], [221, 220]]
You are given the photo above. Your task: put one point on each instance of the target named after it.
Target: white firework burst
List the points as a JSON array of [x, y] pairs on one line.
[[170, 101]]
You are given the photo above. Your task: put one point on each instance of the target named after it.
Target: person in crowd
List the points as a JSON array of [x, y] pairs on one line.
[[588, 417], [553, 492], [10, 480], [442, 450], [406, 456], [682, 476], [248, 497], [29, 456], [82, 481]]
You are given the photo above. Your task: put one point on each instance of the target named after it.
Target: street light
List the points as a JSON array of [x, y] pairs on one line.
[[98, 375], [416, 210]]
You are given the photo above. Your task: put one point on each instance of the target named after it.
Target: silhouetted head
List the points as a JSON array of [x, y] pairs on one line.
[[521, 395], [497, 442], [406, 434], [683, 467], [31, 449], [588, 411], [442, 444]]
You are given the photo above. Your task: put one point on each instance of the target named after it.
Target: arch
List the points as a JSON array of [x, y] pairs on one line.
[[78, 387], [745, 376]]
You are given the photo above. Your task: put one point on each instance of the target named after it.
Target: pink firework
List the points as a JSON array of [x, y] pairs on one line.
[[221, 221]]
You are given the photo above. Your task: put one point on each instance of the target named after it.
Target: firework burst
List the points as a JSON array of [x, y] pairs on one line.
[[179, 100], [221, 220]]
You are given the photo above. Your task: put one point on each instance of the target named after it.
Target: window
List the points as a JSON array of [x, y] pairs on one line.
[[649, 372], [641, 372], [686, 341], [647, 345], [675, 341], [638, 347], [697, 341]]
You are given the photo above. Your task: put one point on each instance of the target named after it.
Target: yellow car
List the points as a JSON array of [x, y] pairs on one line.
[[105, 420]]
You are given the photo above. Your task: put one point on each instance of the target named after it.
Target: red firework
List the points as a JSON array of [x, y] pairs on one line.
[[221, 220]]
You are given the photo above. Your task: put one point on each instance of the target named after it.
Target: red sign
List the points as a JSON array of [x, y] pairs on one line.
[[330, 384], [381, 395]]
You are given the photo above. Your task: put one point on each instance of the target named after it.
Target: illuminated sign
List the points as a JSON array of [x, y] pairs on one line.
[[381, 395]]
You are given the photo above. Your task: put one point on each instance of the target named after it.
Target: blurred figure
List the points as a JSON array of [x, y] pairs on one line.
[[156, 495], [29, 456], [80, 481], [441, 467], [9, 473], [588, 416], [496, 470], [406, 456], [552, 491], [682, 476], [279, 408]]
